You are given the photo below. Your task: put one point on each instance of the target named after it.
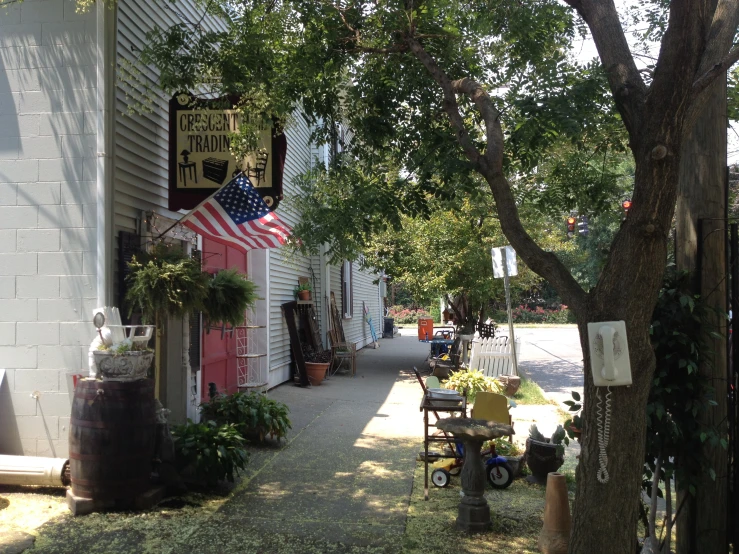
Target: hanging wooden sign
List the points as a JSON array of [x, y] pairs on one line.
[[200, 158]]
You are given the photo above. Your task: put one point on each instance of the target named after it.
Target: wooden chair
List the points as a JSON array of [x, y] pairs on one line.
[[341, 351], [492, 406], [260, 168]]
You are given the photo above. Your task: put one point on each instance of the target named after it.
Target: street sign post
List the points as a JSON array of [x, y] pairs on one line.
[[505, 266]]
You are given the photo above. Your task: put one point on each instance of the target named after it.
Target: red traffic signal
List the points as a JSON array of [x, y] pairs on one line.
[[571, 225]]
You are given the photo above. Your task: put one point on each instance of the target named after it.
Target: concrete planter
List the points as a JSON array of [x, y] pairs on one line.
[[127, 366], [542, 459], [517, 463]]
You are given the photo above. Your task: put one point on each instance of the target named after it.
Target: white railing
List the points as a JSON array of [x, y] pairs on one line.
[[493, 356]]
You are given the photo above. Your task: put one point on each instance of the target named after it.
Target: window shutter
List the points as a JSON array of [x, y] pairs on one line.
[[343, 291], [129, 244], [351, 289]]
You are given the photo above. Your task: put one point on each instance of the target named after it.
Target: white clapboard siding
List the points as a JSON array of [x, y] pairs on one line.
[[141, 153], [492, 356], [356, 329], [284, 270], [142, 140]]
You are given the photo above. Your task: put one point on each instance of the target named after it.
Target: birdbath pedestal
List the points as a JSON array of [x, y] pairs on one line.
[[474, 512]]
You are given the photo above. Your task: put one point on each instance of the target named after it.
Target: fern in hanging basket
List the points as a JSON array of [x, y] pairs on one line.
[[165, 282], [230, 294]]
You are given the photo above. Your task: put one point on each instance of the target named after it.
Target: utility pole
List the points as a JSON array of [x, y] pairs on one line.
[[701, 233]]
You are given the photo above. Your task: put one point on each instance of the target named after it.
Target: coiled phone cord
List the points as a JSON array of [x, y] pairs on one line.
[[604, 433]]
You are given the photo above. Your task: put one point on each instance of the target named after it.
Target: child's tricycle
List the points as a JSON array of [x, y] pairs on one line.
[[499, 472]]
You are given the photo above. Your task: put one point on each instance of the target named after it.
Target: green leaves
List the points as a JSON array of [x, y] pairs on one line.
[[252, 414], [471, 382], [679, 394], [212, 452], [230, 294], [165, 282]]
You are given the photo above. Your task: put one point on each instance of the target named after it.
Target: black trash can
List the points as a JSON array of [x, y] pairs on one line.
[[387, 329]]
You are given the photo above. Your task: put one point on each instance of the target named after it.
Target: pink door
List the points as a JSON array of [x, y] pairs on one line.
[[219, 354]]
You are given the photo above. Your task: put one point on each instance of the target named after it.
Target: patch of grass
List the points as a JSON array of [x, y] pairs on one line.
[[516, 514], [529, 392]]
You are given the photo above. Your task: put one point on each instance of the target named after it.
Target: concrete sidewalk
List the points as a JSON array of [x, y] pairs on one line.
[[344, 481], [340, 483]]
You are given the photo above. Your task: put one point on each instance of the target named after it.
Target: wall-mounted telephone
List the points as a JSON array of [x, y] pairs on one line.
[[611, 367]]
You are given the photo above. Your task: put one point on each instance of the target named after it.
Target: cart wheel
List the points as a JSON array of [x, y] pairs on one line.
[[440, 477], [500, 476], [455, 470]]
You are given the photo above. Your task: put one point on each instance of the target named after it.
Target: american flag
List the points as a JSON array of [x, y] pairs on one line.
[[237, 216]]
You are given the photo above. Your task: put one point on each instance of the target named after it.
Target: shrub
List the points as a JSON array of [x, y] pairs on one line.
[[407, 315], [435, 312], [252, 414], [502, 447], [471, 382], [525, 314], [213, 452]]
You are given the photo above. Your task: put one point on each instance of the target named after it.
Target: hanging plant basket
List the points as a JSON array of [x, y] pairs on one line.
[[229, 295], [165, 282]]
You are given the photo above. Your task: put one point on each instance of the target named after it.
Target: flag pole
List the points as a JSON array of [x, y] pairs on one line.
[[185, 216]]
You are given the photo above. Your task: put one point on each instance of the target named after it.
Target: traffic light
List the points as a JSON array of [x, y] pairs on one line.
[[571, 225], [582, 227], [626, 205]]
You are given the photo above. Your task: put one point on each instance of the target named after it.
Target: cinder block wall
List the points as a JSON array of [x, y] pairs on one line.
[[47, 217]]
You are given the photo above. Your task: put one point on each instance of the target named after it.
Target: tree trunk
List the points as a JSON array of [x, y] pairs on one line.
[[629, 296], [701, 249]]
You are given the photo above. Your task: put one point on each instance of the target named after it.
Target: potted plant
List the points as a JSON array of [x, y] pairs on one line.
[[303, 291], [207, 452], [574, 425], [255, 415], [229, 295], [470, 382], [127, 360], [163, 283], [316, 365], [545, 455]]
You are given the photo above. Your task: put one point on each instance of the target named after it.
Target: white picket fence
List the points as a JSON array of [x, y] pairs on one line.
[[493, 356]]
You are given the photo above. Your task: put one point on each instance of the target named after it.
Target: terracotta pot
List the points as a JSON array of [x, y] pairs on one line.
[[316, 372], [542, 458], [304, 295], [554, 537]]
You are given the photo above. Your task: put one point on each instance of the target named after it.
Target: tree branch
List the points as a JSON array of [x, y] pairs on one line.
[[626, 83], [490, 166], [450, 99], [721, 67]]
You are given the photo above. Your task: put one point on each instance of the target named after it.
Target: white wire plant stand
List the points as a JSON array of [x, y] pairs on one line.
[[251, 366]]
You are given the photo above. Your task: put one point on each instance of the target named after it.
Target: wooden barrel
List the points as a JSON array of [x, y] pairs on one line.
[[111, 438]]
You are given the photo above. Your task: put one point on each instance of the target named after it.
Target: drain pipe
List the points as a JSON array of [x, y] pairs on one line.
[[105, 60], [30, 470]]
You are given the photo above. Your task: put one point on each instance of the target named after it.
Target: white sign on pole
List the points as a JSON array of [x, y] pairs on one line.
[[498, 261], [504, 265]]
